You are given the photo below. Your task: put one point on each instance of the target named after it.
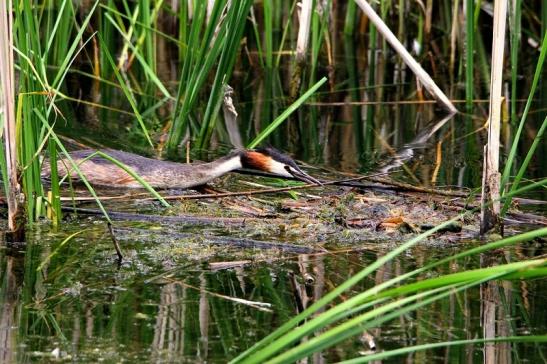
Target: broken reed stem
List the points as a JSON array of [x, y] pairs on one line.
[[303, 31], [490, 204], [301, 46], [420, 73], [230, 118], [7, 86]]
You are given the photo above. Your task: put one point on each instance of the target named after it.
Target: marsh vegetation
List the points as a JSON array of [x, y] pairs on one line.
[[389, 262]]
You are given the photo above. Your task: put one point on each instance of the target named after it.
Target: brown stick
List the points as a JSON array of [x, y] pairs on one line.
[[235, 241], [258, 192], [181, 219], [346, 182], [413, 188], [115, 242]]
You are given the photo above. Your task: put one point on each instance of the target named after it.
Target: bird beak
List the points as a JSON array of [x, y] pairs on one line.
[[302, 176]]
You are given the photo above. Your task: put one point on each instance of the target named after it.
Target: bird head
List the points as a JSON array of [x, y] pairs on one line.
[[273, 161]]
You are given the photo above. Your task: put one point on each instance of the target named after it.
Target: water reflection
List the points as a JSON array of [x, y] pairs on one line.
[[79, 305], [420, 141], [9, 300]]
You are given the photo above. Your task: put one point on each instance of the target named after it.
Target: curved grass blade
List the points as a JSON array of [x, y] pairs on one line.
[[524, 166], [48, 258], [389, 311], [75, 166], [133, 174], [292, 323], [147, 69], [412, 349], [516, 138], [285, 114]]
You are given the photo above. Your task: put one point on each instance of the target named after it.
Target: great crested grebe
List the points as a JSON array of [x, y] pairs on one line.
[[164, 174]]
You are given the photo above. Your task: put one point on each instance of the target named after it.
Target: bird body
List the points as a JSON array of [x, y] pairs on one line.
[[100, 171]]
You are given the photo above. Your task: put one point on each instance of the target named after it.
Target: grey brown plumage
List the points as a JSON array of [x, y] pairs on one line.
[[165, 174]]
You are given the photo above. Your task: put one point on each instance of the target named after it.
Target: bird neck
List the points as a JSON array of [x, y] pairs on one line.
[[224, 165]]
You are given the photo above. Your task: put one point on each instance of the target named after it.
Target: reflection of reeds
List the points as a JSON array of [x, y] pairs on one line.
[[170, 327], [381, 303]]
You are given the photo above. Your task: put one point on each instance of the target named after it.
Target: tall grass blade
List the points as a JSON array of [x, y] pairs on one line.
[[233, 26], [291, 324], [522, 170], [414, 348], [513, 152], [204, 46], [279, 120], [148, 68], [126, 90], [349, 22], [469, 53], [381, 314], [515, 14]]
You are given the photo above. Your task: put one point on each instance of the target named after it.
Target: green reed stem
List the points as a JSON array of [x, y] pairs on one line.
[[515, 14], [281, 118], [522, 170], [469, 53], [351, 18], [513, 152]]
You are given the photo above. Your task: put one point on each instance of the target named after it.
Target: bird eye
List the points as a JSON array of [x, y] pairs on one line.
[[289, 170]]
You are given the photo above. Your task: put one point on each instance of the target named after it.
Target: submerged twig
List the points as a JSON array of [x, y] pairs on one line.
[[115, 242], [262, 306], [181, 219]]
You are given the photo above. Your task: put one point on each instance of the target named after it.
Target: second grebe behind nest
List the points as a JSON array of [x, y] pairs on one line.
[[164, 174]]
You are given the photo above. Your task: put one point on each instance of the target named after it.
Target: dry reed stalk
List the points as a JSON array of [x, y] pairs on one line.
[[420, 73], [7, 102], [304, 30], [230, 118], [491, 177], [301, 46]]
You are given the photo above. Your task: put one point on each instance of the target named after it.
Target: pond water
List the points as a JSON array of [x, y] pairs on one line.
[[206, 290], [73, 302], [186, 293]]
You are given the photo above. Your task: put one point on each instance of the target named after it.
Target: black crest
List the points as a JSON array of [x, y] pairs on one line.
[[278, 156]]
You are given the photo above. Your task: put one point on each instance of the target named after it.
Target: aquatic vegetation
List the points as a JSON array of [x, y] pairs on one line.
[[315, 79]]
